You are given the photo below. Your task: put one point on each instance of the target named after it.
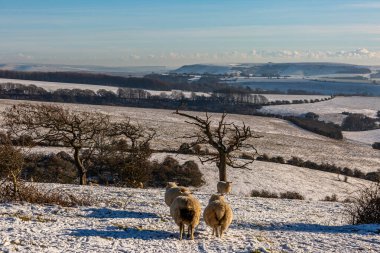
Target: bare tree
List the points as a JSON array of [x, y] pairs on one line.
[[11, 162], [226, 138], [138, 138], [124, 153], [50, 123]]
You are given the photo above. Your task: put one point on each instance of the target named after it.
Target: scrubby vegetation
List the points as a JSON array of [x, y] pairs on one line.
[[320, 127], [274, 195], [32, 194], [365, 207], [332, 198], [359, 122], [187, 174], [376, 145]]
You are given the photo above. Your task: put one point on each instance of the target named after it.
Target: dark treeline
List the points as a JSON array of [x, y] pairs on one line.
[[87, 78], [135, 98], [151, 82]]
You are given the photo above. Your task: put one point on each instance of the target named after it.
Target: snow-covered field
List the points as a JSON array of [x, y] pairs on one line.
[[130, 220], [52, 86], [368, 137], [279, 137], [313, 185], [137, 220], [330, 110]]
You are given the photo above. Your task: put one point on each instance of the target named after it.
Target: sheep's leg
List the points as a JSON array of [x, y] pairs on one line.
[[188, 231], [224, 228], [216, 231], [221, 232], [181, 228], [213, 231], [191, 229]]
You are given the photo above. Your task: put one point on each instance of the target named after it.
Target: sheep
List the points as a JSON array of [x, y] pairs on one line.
[[224, 187], [186, 210], [173, 191], [218, 215]]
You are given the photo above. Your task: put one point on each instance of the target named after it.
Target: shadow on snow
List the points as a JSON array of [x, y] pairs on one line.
[[311, 228], [132, 233], [110, 213]]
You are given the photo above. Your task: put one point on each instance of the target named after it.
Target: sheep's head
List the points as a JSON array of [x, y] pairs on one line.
[[215, 197], [171, 185]]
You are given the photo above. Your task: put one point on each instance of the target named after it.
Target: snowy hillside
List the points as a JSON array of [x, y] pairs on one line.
[[283, 69], [330, 110], [128, 220], [279, 137], [279, 178]]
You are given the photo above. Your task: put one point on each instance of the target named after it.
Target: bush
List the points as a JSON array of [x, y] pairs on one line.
[[273, 195], [187, 174], [264, 194], [359, 122], [51, 168], [311, 115], [365, 208], [373, 176], [291, 195], [32, 194], [135, 173], [332, 198], [376, 145], [185, 148]]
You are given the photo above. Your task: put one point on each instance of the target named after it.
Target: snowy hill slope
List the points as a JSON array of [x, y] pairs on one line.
[[279, 178], [283, 69], [128, 220], [279, 137]]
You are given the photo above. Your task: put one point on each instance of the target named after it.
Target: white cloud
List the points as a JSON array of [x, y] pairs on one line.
[[364, 5]]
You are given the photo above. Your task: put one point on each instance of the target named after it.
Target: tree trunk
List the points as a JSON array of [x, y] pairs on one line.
[[15, 185], [222, 166], [82, 173]]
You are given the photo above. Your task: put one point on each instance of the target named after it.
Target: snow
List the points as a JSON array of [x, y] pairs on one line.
[[279, 137], [330, 110], [52, 86], [137, 220], [130, 220], [279, 178], [367, 137]]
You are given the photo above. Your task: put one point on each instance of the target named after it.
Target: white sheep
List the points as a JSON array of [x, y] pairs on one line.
[[224, 187], [186, 210], [218, 215], [173, 191]]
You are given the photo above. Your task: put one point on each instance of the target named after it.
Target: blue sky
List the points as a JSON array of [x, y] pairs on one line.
[[172, 33]]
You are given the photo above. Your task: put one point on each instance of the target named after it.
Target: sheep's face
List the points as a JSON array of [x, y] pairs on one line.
[[171, 185], [215, 197]]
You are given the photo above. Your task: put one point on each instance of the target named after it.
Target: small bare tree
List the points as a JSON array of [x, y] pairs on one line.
[[226, 139], [50, 123], [11, 164]]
